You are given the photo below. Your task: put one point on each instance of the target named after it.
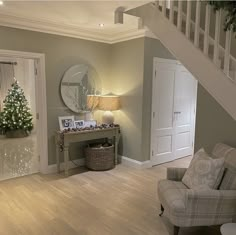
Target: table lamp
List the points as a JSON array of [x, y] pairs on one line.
[[108, 103], [92, 103]]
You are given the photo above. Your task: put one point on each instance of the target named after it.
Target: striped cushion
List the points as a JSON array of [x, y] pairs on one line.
[[229, 180]]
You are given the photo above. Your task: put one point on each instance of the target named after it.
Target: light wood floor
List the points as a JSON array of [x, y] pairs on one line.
[[122, 201]]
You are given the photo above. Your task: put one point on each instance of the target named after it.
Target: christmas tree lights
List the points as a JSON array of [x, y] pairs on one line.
[[16, 114]]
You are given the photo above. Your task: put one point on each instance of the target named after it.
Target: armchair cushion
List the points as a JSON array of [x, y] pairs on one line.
[[229, 180], [204, 171]]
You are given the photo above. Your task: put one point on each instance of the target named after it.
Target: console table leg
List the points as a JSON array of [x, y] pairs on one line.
[[66, 159], [58, 159]]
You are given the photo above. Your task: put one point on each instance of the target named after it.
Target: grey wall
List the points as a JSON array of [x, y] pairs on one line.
[[213, 124], [61, 53], [127, 59]]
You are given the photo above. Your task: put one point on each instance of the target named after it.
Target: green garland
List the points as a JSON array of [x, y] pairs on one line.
[[230, 8]]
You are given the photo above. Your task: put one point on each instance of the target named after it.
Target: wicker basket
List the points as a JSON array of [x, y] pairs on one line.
[[100, 158]]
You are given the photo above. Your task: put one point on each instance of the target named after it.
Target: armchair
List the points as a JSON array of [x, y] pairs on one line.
[[186, 207]]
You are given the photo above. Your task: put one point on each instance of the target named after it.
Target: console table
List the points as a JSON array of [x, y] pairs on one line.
[[64, 140]]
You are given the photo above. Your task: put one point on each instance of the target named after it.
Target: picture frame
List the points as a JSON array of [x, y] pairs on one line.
[[79, 124], [90, 123], [66, 122]]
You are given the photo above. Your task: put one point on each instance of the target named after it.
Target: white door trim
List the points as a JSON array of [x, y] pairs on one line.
[[42, 102], [170, 61]]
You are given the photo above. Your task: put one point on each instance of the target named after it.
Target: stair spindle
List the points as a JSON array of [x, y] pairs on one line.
[[180, 16], [171, 12], [217, 38], [164, 8], [157, 4], [197, 24], [188, 19], [227, 52], [207, 28]]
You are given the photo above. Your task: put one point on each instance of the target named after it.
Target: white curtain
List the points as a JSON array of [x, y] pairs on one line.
[[6, 79]]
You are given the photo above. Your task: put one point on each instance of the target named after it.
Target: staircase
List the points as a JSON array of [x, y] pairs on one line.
[[179, 26]]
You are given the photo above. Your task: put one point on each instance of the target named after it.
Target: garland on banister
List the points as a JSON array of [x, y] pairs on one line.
[[230, 8]]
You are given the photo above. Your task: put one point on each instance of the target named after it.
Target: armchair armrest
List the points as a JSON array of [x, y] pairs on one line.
[[211, 202], [175, 174]]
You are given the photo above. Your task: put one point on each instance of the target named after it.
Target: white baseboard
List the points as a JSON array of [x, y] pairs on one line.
[[81, 162], [135, 164], [53, 168]]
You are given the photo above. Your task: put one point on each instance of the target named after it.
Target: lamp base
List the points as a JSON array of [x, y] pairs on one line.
[[89, 116], [108, 117]]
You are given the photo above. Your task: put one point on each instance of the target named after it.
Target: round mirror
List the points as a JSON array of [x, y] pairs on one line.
[[78, 84]]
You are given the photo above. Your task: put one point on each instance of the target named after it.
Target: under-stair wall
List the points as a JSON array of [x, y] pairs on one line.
[[212, 64]]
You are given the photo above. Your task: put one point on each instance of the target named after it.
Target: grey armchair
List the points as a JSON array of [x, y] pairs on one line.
[[186, 207]]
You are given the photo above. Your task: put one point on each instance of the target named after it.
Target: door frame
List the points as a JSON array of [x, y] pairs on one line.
[[41, 102], [172, 61]]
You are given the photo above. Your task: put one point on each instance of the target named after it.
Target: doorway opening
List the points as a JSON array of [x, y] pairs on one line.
[[19, 156], [26, 155], [174, 97]]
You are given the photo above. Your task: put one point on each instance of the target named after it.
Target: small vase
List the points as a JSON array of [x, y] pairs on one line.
[[17, 134]]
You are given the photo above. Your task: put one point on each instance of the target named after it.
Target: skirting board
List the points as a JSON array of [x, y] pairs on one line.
[[134, 163], [81, 162], [78, 162]]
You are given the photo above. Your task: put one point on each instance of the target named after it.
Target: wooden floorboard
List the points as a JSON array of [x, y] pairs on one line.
[[122, 201]]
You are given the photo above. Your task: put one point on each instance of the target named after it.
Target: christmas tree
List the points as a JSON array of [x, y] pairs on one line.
[[16, 114]]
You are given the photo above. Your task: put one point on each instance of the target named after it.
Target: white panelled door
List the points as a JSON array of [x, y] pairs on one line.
[[173, 108]]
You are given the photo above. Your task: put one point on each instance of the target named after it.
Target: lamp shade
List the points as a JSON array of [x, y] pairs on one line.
[[92, 101], [109, 103]]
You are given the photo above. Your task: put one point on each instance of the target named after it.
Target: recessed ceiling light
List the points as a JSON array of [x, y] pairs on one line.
[[1, 3], [101, 25]]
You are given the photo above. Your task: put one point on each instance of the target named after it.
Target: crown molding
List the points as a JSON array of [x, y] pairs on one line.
[[69, 30]]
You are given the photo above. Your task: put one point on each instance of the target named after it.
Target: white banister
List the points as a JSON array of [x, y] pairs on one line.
[[188, 19], [227, 52], [180, 15], [164, 8], [197, 24], [171, 12], [219, 51], [217, 37], [207, 28]]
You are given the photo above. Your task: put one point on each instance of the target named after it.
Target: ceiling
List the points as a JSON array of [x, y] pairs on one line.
[[79, 19]]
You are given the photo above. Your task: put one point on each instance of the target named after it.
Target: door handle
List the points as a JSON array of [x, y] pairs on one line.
[[176, 115]]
